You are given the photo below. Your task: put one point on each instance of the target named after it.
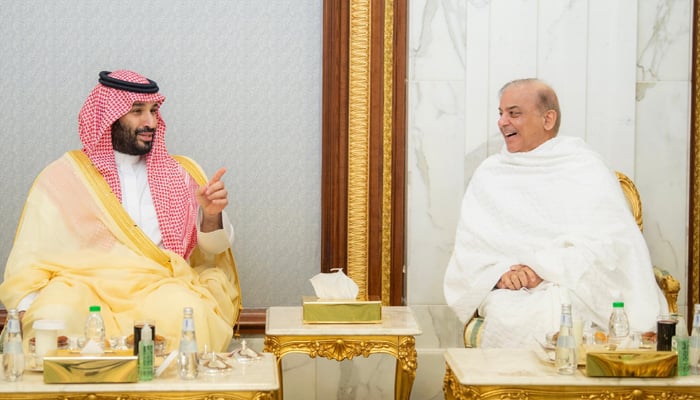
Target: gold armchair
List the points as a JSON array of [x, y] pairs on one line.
[[668, 284]]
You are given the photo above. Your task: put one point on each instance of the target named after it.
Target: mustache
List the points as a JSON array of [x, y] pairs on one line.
[[146, 129]]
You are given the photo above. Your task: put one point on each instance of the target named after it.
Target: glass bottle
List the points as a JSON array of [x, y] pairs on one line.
[[618, 325], [12, 352], [680, 343], [565, 355], [187, 360], [694, 360], [146, 354], [95, 328]]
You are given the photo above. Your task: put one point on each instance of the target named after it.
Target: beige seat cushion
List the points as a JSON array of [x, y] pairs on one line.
[[472, 332]]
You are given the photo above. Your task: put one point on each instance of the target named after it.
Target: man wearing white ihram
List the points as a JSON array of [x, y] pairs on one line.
[[544, 222]]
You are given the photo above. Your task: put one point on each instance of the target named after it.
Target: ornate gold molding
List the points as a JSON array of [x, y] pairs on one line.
[[455, 391], [358, 144], [340, 348], [403, 348], [143, 396], [387, 136]]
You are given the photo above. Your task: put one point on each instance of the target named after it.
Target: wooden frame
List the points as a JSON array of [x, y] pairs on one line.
[[363, 178]]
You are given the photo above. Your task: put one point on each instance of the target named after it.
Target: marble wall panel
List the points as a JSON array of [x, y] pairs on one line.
[[662, 173], [477, 89], [561, 58], [664, 40], [611, 82], [512, 36], [435, 183], [662, 127], [437, 33]]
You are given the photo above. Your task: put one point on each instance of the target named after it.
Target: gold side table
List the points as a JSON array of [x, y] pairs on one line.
[[285, 333], [486, 374]]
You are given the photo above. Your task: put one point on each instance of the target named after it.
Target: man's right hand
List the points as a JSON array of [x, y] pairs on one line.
[[519, 276]]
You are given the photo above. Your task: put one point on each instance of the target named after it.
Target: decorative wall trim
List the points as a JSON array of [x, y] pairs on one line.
[[358, 144], [364, 144], [387, 137]]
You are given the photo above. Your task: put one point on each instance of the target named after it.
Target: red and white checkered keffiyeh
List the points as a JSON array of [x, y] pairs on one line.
[[171, 187]]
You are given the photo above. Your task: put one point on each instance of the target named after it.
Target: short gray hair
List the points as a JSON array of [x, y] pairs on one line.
[[546, 96]]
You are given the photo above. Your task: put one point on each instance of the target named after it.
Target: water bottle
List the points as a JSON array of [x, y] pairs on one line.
[[565, 353], [694, 360], [187, 360], [12, 353], [618, 325], [145, 354], [680, 343], [95, 328]]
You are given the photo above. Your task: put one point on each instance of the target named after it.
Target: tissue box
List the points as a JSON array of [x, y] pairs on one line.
[[63, 366], [632, 363], [320, 311]]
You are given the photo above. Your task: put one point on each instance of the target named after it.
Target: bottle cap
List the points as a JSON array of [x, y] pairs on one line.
[[618, 304], [94, 308], [146, 333]]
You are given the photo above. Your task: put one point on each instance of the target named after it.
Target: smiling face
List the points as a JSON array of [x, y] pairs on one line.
[[525, 122], [134, 132]]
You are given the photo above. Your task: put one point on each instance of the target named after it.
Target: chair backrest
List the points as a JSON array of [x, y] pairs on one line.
[[633, 199], [669, 285]]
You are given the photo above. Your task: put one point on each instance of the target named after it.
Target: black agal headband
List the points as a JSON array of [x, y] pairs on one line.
[[105, 79]]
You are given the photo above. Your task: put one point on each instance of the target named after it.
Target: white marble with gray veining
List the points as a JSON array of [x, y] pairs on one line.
[[516, 367], [260, 375], [286, 321]]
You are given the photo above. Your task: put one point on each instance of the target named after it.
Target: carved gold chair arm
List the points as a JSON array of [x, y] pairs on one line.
[[669, 286]]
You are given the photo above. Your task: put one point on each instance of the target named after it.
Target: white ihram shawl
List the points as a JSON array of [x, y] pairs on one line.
[[561, 211]]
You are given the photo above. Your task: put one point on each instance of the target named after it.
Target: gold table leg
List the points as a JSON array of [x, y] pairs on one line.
[[340, 348], [453, 390]]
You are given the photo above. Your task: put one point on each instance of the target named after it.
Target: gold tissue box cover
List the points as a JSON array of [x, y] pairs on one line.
[[320, 311], [63, 366], [632, 363]]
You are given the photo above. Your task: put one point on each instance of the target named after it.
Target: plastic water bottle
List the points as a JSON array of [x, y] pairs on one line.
[[694, 359], [618, 325], [145, 354], [12, 353], [680, 343], [95, 328], [187, 360], [565, 354]]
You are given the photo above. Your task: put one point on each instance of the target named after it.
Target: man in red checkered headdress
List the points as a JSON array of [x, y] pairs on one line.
[[125, 225]]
